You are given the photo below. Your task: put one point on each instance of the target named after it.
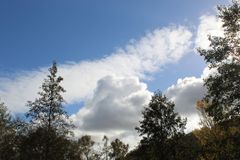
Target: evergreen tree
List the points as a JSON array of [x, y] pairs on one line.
[[8, 148], [49, 122], [159, 124], [47, 110]]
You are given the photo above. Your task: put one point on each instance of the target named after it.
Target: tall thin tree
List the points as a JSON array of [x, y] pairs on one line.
[[46, 113]]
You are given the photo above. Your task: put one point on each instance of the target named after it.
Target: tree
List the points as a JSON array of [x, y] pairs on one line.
[[106, 148], [223, 87], [205, 119], [219, 142], [85, 148], [159, 124], [139, 153], [119, 149], [187, 147], [47, 117], [221, 104], [8, 148]]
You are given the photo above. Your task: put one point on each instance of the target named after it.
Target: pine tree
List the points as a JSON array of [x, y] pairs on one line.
[[8, 146], [49, 122]]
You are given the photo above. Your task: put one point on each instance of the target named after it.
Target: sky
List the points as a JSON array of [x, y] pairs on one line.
[[112, 55]]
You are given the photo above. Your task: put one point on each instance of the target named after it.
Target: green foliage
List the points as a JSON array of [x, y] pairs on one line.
[[159, 124], [185, 147], [119, 150], [34, 145], [139, 153], [85, 147], [223, 94], [221, 105], [5, 121], [8, 145], [47, 110], [48, 121]]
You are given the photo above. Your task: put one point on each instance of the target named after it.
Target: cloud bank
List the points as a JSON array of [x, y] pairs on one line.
[[139, 58]]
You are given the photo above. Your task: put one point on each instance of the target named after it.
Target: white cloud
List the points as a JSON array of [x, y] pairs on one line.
[[15, 92], [116, 104], [139, 58], [111, 87], [185, 95], [115, 109], [209, 25], [188, 90]]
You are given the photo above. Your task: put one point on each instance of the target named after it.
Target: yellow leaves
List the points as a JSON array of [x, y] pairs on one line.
[[234, 130], [218, 141], [202, 105]]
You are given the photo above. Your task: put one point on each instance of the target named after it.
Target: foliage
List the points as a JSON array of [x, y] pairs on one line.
[[48, 121], [85, 147], [8, 145], [224, 56], [106, 148], [47, 110], [220, 142], [220, 108], [205, 119], [34, 145], [159, 124], [119, 150], [186, 147]]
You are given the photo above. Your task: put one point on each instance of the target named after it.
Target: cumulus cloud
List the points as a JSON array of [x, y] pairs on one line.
[[102, 115], [139, 58], [185, 94], [115, 108], [188, 90], [110, 87], [209, 25], [116, 104]]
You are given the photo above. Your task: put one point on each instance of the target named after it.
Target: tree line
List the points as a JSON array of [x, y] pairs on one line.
[[46, 132]]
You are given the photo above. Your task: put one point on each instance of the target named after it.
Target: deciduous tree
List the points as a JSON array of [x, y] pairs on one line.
[[223, 95], [160, 123], [119, 149]]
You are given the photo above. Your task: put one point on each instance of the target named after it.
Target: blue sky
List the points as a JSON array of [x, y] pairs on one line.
[[34, 33], [42, 31], [84, 37]]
